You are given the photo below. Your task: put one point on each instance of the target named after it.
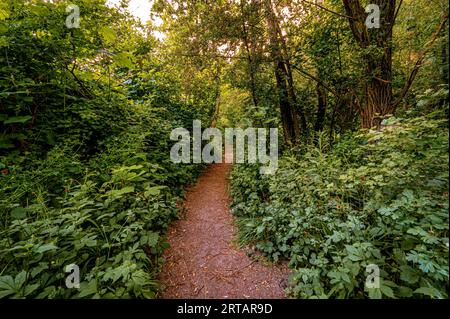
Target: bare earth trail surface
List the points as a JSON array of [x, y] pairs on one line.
[[203, 261]]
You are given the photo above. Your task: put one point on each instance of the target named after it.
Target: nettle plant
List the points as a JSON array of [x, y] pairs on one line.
[[379, 197]]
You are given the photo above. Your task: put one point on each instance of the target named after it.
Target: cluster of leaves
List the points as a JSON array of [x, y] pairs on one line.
[[378, 197], [53, 80], [86, 176], [110, 223]]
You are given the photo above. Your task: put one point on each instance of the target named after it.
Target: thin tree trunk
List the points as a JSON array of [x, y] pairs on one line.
[[321, 108], [216, 110], [289, 120], [444, 57], [290, 127], [298, 110], [217, 98], [250, 61]]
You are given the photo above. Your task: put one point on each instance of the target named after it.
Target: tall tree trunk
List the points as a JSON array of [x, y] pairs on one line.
[[444, 61], [291, 128], [444, 56], [297, 108], [250, 60], [378, 85], [216, 111], [217, 97]]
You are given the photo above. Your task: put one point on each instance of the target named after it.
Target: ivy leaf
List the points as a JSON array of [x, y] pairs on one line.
[[345, 277], [116, 193], [354, 254], [29, 289], [9, 286], [20, 279], [387, 291], [140, 278], [404, 292], [375, 293]]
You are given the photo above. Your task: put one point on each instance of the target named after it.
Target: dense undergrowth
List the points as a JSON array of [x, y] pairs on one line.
[[377, 197], [86, 176], [107, 215]]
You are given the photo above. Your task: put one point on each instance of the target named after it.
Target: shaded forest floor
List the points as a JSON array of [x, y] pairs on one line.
[[203, 261]]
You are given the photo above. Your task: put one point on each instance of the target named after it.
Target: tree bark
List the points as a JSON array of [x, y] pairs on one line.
[[290, 123], [250, 60], [378, 85], [298, 111], [217, 97]]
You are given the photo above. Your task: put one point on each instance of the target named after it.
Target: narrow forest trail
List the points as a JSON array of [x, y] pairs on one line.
[[203, 261]]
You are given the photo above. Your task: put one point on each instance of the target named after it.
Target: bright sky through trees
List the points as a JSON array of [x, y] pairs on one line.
[[139, 8], [142, 9]]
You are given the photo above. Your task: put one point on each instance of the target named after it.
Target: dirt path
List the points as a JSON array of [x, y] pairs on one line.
[[202, 261]]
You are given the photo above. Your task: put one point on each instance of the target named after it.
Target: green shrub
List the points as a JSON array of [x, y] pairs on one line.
[[107, 215], [112, 233], [383, 202], [85, 172]]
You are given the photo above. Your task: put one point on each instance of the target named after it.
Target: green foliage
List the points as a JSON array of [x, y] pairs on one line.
[[86, 176], [378, 197], [111, 222], [85, 173]]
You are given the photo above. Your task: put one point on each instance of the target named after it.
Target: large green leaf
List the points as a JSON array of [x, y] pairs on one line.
[[18, 119]]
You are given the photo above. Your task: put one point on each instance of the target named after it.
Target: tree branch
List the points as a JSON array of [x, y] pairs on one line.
[[396, 14], [420, 60], [357, 25], [312, 77], [328, 10]]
